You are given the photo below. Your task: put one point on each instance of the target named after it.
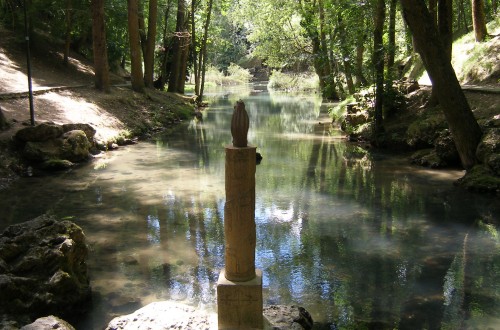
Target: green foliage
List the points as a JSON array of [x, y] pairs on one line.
[[274, 30], [307, 81], [236, 75], [337, 113]]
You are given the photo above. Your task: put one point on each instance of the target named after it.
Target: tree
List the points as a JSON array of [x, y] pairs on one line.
[[135, 47], [165, 60], [442, 15], [478, 20], [101, 70], [67, 42], [391, 53], [176, 81], [203, 52], [378, 62], [463, 126], [199, 49], [150, 44], [312, 13]]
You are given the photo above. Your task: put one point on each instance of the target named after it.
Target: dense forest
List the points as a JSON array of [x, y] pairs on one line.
[[349, 45]]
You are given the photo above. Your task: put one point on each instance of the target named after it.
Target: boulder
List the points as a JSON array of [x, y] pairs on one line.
[[48, 323], [488, 150], [72, 146], [89, 130], [356, 119], [75, 146], [41, 151], [446, 149], [480, 179], [43, 269], [39, 133]]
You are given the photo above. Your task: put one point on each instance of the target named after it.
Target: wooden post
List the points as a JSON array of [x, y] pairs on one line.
[[239, 288]]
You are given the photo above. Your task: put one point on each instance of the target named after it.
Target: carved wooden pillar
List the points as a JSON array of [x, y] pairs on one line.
[[239, 288]]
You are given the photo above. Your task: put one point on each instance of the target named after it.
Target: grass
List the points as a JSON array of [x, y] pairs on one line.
[[475, 61]]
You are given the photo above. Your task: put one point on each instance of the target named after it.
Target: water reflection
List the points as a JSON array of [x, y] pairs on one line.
[[361, 239]]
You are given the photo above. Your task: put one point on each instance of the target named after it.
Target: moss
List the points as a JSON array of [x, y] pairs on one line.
[[481, 179], [423, 132]]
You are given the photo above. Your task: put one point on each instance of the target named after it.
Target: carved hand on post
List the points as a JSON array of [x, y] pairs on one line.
[[239, 125]]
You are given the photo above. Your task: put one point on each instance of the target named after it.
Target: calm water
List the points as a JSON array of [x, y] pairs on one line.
[[361, 240]]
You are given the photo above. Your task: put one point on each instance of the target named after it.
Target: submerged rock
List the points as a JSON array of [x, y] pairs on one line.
[[288, 317], [170, 315], [48, 323], [165, 315], [43, 269]]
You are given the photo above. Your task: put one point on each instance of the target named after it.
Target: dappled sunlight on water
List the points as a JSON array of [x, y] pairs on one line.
[[359, 238]]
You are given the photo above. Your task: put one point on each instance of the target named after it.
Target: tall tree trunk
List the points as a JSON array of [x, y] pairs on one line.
[[360, 50], [101, 68], [135, 47], [445, 31], [321, 63], [462, 17], [478, 20], [445, 26], [463, 126], [345, 55], [166, 49], [194, 46], [185, 48], [150, 45], [177, 55], [391, 47], [378, 62], [203, 60], [69, 27], [142, 26], [433, 4]]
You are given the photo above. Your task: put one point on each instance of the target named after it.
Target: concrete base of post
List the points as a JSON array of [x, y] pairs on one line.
[[239, 304]]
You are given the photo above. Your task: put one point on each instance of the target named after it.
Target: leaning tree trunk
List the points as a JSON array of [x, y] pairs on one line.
[[478, 20], [444, 14], [101, 69], [463, 126]]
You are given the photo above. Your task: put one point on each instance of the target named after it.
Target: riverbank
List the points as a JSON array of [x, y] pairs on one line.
[[64, 94]]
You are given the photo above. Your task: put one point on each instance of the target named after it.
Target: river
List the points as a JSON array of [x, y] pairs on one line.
[[361, 239]]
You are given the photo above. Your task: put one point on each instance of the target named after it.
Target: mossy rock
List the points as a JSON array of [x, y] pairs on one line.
[[423, 133], [56, 164], [427, 158], [488, 149], [39, 133], [481, 179]]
